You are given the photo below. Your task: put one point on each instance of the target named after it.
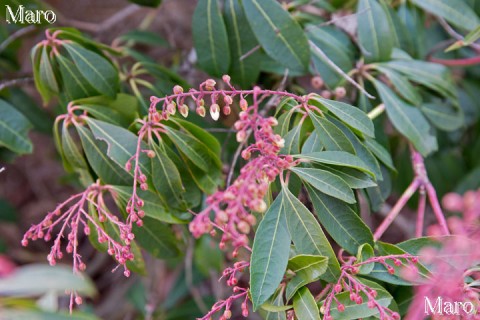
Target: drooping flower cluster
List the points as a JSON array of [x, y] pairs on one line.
[[348, 282], [89, 211], [455, 263], [233, 207]]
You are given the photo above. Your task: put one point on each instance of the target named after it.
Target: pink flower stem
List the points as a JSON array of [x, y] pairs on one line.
[[432, 196], [421, 211], [396, 209]]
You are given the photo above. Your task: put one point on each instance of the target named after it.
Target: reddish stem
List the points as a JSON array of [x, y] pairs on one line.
[[457, 62]]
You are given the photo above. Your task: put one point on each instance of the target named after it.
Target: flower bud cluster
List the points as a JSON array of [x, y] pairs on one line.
[[87, 211], [234, 205], [226, 305]]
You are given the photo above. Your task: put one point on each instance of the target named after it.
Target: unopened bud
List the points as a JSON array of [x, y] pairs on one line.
[[226, 78], [326, 94], [215, 111], [144, 186], [317, 82], [241, 135], [201, 111], [210, 84], [78, 300], [243, 104], [177, 89], [340, 92], [184, 110], [228, 100], [227, 110], [341, 307]]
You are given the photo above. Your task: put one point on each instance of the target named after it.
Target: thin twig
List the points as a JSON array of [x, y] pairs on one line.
[[455, 34], [339, 70], [17, 34], [250, 52], [15, 82]]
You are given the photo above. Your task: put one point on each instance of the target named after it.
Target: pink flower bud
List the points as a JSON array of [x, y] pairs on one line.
[[326, 94], [228, 100], [241, 135], [25, 242], [128, 166], [246, 154], [82, 266], [171, 108], [177, 89], [215, 111], [243, 227], [371, 304], [210, 84], [226, 78], [227, 314], [341, 307], [143, 178], [317, 82], [144, 186], [201, 111], [395, 316], [359, 300], [227, 110], [78, 300], [243, 104], [126, 273], [184, 110], [340, 92], [338, 288]]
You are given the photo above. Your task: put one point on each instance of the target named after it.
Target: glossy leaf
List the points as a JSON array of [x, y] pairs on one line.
[[456, 12], [47, 75], [190, 147], [74, 84], [269, 253], [307, 268], [408, 120], [312, 144], [374, 32], [354, 178], [365, 252], [14, 129], [157, 238], [326, 182], [341, 222], [305, 306], [97, 70], [241, 40], [210, 38], [278, 33], [337, 158], [330, 136], [307, 235], [350, 115]]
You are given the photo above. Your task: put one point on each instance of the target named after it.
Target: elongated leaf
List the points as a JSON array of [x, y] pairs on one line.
[[166, 179], [190, 148], [307, 268], [278, 33], [327, 183], [374, 31], [443, 116], [75, 85], [145, 37], [330, 136], [305, 306], [307, 235], [430, 75], [337, 158], [199, 133], [456, 12], [292, 140], [353, 117], [408, 120], [97, 70], [275, 301], [470, 38], [380, 152], [36, 58], [157, 238], [337, 47], [354, 178], [312, 144], [210, 38], [75, 160], [14, 129], [341, 222], [403, 86], [269, 253], [365, 252], [105, 168], [241, 40], [37, 279], [46, 73], [121, 143]]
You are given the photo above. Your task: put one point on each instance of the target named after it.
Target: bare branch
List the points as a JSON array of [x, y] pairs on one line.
[[17, 34], [15, 82]]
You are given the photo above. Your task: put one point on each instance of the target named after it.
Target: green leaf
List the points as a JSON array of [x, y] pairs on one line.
[[199, 133], [402, 85], [210, 38], [352, 116], [327, 183], [166, 179], [105, 168], [26, 314], [307, 235], [276, 301], [337, 158], [354, 178], [458, 13], [312, 144], [470, 38], [330, 135], [341, 222], [292, 141], [189, 146], [157, 238], [144, 37], [36, 58], [278, 33], [305, 306], [147, 3], [269, 253], [74, 84], [14, 129], [430, 75], [74, 157], [374, 32], [443, 116], [121, 143], [37, 279], [408, 120], [380, 152], [307, 268], [47, 76], [365, 252], [97, 70], [241, 40], [153, 206], [337, 47]]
